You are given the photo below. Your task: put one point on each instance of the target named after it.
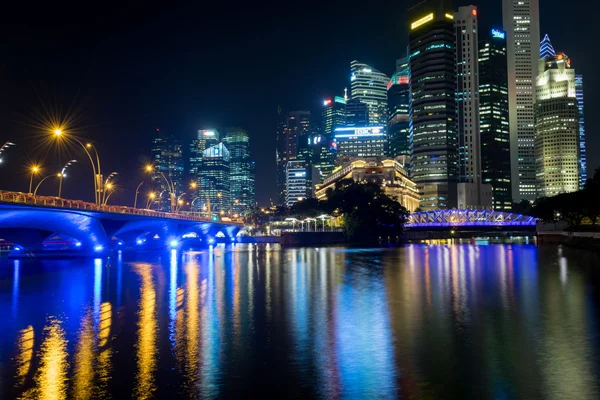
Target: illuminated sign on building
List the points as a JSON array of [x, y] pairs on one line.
[[354, 133], [421, 21], [449, 16], [498, 34], [208, 133]]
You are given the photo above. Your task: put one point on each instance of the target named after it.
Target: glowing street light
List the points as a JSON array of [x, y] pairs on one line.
[[170, 185], [137, 191], [62, 175], [151, 197], [4, 147], [34, 171]]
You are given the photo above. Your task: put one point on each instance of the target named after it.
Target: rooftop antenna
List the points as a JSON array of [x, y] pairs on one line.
[[345, 94]]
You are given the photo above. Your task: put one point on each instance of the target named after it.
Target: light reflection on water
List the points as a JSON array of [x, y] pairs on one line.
[[447, 321]]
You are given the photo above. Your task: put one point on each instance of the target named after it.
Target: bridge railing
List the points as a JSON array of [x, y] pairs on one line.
[[49, 201]]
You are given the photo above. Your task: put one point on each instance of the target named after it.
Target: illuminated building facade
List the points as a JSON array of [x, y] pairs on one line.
[[215, 179], [203, 140], [494, 117], [241, 170], [298, 183], [522, 26], [398, 127], [167, 158], [557, 127], [369, 141], [370, 87], [582, 147], [280, 154], [433, 135], [390, 174], [333, 115], [357, 113]]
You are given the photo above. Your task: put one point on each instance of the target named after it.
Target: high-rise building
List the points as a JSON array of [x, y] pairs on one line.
[[168, 169], [370, 141], [582, 149], [290, 128], [214, 179], [398, 126], [203, 140], [333, 115], [357, 113], [556, 126], [522, 26], [241, 170], [433, 137], [494, 117], [370, 86], [298, 183]]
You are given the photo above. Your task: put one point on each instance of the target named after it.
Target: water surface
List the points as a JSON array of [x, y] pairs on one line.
[[418, 322]]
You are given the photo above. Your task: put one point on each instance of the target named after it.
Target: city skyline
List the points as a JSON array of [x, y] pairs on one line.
[[104, 123]]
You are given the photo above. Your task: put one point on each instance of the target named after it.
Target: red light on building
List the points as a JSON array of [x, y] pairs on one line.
[[403, 80], [474, 12]]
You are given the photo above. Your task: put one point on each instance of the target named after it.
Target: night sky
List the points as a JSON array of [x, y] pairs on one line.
[[129, 70]]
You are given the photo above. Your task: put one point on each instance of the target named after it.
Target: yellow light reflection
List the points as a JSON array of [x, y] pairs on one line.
[[147, 330], [83, 380], [104, 363], [25, 343]]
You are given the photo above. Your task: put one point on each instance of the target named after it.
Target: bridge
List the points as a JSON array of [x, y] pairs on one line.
[[442, 224], [40, 225]]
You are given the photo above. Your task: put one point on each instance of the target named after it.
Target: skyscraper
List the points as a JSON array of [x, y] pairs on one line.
[[357, 113], [298, 184], [241, 170], [280, 154], [522, 26], [203, 140], [214, 179], [369, 141], [556, 126], [398, 127], [370, 87], [168, 167], [333, 115], [493, 116], [582, 149], [433, 138]]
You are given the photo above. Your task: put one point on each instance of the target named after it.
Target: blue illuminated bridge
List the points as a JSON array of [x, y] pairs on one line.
[[38, 225], [468, 223]]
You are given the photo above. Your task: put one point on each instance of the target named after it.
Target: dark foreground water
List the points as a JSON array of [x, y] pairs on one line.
[[419, 322]]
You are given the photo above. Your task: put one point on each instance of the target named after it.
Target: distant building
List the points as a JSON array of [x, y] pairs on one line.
[[557, 139], [521, 21], [241, 170], [494, 117], [370, 141], [398, 124], [357, 113], [203, 139], [167, 160], [433, 135], [582, 147], [215, 184], [370, 87], [388, 173], [280, 154], [333, 115], [298, 183]]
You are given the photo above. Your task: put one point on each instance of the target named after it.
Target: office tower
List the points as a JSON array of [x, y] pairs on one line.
[[203, 139], [370, 141], [280, 154], [469, 189], [556, 126], [522, 26], [433, 138], [214, 180], [298, 183], [398, 127], [357, 113], [494, 117], [582, 149], [333, 115], [167, 160], [241, 170], [370, 86]]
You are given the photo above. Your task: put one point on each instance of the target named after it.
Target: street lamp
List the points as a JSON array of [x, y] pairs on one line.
[[309, 220], [137, 191], [62, 174], [108, 185], [179, 202], [40, 183], [323, 217], [98, 188], [170, 185], [293, 220], [151, 197], [34, 171], [4, 147]]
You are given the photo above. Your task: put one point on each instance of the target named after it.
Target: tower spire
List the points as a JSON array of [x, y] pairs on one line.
[[546, 49]]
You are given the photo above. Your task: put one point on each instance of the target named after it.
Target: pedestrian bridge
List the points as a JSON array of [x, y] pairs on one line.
[[31, 223], [468, 218]]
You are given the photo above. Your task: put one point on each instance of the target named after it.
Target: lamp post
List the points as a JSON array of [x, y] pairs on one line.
[[40, 183], [170, 186], [4, 147], [62, 174], [34, 171], [294, 220], [179, 202], [323, 217], [110, 187], [151, 197], [98, 188], [137, 191]]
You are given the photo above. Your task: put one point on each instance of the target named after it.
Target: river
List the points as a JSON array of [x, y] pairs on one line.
[[243, 321]]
